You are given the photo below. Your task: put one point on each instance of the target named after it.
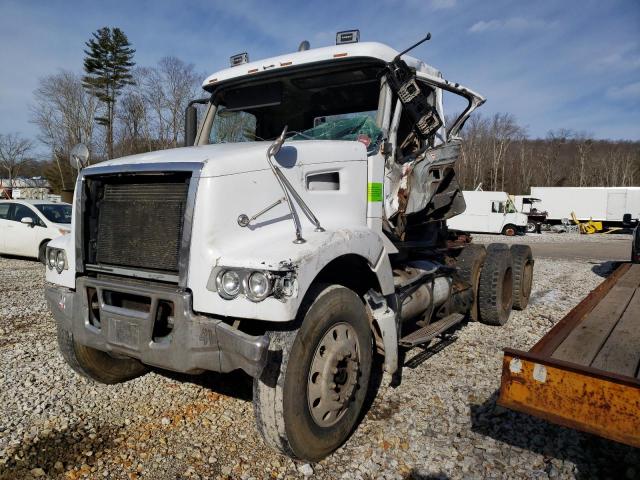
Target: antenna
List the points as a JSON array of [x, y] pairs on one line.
[[428, 37]]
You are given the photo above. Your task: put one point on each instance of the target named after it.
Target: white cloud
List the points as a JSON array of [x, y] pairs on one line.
[[625, 92], [625, 57], [515, 24]]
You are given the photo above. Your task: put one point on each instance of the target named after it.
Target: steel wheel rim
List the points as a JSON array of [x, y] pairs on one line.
[[333, 374]]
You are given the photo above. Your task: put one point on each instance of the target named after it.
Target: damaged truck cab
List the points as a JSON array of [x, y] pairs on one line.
[[299, 233]]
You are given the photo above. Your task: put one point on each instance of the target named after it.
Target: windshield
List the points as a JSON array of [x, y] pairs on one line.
[[336, 102], [351, 126], [58, 213]]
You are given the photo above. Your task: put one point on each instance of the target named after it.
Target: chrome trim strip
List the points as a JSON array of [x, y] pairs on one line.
[[130, 272], [187, 228], [159, 167]]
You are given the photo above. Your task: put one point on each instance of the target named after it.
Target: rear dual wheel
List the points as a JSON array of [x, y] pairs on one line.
[[310, 397], [469, 265], [495, 291], [522, 275]]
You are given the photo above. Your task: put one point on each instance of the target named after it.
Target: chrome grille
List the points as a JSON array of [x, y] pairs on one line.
[[140, 225]]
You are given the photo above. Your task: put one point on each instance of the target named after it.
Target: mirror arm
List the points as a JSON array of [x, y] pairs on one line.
[[289, 191]]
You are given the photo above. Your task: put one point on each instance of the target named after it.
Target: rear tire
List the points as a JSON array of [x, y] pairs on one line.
[[509, 230], [310, 397], [95, 364], [469, 264], [496, 286], [522, 259]]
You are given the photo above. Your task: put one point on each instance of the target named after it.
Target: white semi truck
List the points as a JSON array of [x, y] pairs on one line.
[[614, 206], [300, 233]]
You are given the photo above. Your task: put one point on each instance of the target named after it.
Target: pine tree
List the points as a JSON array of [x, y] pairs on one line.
[[107, 65]]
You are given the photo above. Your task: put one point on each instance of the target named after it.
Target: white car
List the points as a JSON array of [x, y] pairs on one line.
[[27, 226]]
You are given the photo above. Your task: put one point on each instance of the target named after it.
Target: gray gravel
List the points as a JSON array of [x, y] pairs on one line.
[[441, 422]]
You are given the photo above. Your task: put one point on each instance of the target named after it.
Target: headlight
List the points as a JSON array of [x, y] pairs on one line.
[[258, 286], [61, 261], [229, 284], [51, 257]]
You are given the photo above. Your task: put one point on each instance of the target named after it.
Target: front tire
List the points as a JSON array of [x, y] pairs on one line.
[[310, 396], [95, 364]]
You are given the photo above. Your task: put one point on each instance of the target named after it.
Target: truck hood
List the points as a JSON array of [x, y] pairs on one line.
[[234, 158]]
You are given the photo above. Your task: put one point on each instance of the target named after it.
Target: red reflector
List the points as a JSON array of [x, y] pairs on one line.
[[213, 80], [336, 55], [253, 70], [285, 64]]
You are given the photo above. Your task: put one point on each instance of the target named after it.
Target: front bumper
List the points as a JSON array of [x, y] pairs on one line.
[[195, 342]]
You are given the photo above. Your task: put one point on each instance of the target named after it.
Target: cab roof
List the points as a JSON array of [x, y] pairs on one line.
[[373, 50]]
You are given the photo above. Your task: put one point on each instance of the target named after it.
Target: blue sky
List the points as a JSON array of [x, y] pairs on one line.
[[553, 64]]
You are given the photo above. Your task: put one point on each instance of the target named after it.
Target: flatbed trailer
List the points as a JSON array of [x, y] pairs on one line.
[[584, 373]]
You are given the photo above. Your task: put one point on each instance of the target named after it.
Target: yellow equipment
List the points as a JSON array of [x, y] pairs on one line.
[[586, 227]]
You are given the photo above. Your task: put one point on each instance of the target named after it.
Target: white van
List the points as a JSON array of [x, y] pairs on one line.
[[26, 226], [489, 212]]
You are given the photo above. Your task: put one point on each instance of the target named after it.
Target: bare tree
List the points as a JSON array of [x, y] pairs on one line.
[[165, 91], [64, 113], [503, 130], [14, 154]]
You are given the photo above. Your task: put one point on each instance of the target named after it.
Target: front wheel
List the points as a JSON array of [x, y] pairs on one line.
[[96, 365], [310, 396]]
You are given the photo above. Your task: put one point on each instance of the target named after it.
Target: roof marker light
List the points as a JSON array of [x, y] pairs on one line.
[[348, 36], [239, 59]]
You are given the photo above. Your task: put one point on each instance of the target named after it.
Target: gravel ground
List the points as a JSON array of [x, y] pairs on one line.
[[441, 422]]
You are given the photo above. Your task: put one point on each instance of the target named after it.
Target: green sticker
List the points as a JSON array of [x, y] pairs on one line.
[[374, 192]]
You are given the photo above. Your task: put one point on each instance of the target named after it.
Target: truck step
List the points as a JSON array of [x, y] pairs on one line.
[[432, 330]]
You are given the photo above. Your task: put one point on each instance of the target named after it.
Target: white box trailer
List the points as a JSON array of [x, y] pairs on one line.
[[605, 204], [489, 212]]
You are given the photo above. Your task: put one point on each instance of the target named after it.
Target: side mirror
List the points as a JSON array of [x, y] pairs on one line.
[[275, 147], [27, 221], [190, 125], [79, 156]]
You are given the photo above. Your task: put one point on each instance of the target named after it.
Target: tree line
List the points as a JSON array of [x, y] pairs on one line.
[[497, 154], [117, 108]]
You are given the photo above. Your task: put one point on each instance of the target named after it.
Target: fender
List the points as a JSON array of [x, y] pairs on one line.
[[306, 261]]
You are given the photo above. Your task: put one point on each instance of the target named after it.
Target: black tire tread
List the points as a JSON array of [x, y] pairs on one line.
[[496, 263], [271, 393], [471, 259], [96, 365], [521, 255]]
